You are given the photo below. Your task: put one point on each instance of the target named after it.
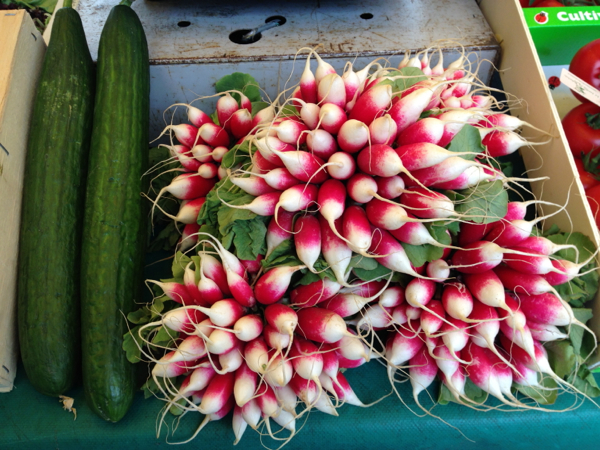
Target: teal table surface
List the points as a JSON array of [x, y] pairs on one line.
[[30, 420]]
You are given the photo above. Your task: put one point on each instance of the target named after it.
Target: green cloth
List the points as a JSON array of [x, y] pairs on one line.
[[29, 420]]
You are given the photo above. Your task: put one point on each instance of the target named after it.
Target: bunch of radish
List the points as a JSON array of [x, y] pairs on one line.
[[349, 172]]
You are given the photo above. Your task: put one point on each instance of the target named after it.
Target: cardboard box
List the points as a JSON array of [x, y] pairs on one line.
[[559, 32], [523, 77], [21, 55]]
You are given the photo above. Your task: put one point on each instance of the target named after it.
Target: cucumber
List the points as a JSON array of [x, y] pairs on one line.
[[115, 219], [52, 213]]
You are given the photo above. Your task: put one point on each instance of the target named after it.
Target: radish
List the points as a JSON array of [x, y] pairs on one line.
[[209, 170], [265, 115], [391, 297], [335, 251], [356, 230], [279, 229], [353, 348], [344, 392], [308, 240], [189, 237], [341, 166], [321, 143], [263, 205], [407, 110], [256, 355], [238, 424], [175, 291], [422, 372], [457, 301], [308, 83], [388, 216], [314, 293], [361, 188], [415, 233], [429, 129], [477, 257], [306, 359], [297, 198], [383, 130], [226, 106], [438, 270], [503, 142], [248, 327], [321, 325], [180, 319], [375, 317], [332, 117], [253, 185], [197, 117], [351, 81], [271, 286], [186, 134], [544, 332], [213, 135], [372, 104], [192, 348], [252, 266], [268, 146], [291, 131], [403, 345], [390, 187], [455, 334], [221, 341], [443, 172], [305, 166], [352, 136], [309, 113], [380, 160], [427, 204], [432, 318], [251, 413], [279, 370], [522, 283], [240, 123], [347, 305], [282, 318], [486, 287], [208, 290], [189, 281], [184, 156], [187, 186], [390, 253], [232, 360], [421, 155]]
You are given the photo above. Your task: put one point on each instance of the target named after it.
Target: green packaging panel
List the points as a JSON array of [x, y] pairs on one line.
[[559, 32]]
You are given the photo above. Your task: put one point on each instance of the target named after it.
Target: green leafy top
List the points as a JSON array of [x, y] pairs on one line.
[[402, 79], [242, 82]]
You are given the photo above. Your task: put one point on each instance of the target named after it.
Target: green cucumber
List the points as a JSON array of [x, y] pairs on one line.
[[115, 222], [52, 213]]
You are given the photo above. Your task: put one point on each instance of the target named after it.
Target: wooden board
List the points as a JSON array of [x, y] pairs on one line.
[[20, 63]]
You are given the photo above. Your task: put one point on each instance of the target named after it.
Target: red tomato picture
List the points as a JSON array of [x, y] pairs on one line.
[[586, 65], [587, 179], [582, 129]]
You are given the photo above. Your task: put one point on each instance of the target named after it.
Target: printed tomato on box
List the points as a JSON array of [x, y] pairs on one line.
[[586, 65], [582, 129]]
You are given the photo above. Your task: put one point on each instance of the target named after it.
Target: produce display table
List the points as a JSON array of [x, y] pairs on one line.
[[31, 420]]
